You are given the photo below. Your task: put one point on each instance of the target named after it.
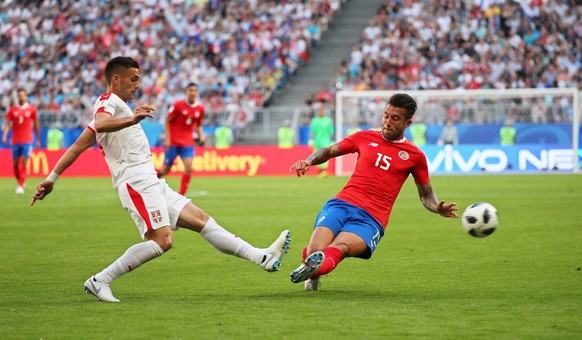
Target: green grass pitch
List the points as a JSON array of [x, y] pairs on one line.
[[427, 278]]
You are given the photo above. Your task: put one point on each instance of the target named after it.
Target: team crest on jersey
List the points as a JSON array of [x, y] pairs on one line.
[[403, 155], [156, 216], [185, 112]]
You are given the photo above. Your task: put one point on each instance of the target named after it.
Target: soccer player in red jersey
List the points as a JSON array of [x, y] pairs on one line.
[[182, 118], [352, 223], [23, 119]]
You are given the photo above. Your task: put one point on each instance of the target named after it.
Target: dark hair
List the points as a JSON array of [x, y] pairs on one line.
[[192, 84], [115, 64], [402, 100]]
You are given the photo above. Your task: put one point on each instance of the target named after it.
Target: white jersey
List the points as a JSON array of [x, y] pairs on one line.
[[127, 151]]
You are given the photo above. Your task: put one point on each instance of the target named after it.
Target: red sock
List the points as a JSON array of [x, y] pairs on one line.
[[333, 256], [17, 172], [21, 177], [184, 184]]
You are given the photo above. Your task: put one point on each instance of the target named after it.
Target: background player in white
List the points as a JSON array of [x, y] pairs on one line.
[[153, 205]]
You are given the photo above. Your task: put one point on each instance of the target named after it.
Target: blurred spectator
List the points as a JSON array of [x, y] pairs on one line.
[[449, 135], [57, 50]]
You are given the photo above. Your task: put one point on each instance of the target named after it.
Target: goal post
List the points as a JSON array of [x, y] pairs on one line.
[[546, 122]]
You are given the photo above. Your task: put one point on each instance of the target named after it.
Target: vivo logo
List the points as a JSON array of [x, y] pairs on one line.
[[469, 159]]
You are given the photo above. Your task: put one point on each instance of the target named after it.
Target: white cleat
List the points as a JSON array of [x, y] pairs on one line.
[[19, 190], [312, 284], [275, 252], [311, 264], [99, 289]]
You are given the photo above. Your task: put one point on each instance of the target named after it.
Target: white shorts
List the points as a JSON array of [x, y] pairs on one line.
[[152, 204]]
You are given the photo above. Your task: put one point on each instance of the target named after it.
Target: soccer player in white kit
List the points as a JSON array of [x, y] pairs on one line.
[[155, 208]]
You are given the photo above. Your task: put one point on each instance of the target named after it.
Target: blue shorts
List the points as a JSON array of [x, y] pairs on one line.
[[338, 216], [23, 150], [175, 151]]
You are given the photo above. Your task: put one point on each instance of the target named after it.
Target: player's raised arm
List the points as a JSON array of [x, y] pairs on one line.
[[430, 202], [318, 157], [85, 141], [105, 122]]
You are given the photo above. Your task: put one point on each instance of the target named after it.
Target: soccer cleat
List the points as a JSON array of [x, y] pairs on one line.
[[99, 289], [19, 190], [308, 267], [275, 252], [312, 284]]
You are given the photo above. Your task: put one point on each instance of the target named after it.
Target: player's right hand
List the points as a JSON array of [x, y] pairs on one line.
[[300, 167], [42, 189]]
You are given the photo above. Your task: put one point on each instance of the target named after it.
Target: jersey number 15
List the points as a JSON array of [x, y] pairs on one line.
[[383, 161]]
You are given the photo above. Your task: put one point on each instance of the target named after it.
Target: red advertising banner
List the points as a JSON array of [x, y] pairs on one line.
[[234, 161]]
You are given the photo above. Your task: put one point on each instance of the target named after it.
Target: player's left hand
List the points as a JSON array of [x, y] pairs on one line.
[[142, 112], [447, 210], [42, 189]]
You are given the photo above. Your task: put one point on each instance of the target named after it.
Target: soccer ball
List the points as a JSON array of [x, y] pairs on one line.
[[480, 219]]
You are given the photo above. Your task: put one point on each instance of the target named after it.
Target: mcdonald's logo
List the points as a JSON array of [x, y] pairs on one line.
[[39, 163]]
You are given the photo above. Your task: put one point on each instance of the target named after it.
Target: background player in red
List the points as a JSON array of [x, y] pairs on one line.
[[23, 119], [182, 118], [352, 223]]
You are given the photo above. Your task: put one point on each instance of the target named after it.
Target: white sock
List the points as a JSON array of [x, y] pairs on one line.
[[133, 257], [230, 244]]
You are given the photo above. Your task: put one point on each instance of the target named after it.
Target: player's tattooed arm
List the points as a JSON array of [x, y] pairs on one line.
[[324, 154], [431, 203], [318, 157]]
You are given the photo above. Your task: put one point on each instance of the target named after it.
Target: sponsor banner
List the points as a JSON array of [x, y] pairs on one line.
[[479, 158], [234, 161]]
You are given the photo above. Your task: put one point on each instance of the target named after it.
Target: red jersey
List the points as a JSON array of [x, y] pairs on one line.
[[22, 118], [381, 170], [183, 119]]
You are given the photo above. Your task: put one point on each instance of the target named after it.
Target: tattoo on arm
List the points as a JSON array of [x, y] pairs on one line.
[[324, 154], [427, 197]]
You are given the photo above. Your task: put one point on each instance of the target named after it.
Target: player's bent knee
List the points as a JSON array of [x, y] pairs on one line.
[[163, 237], [193, 218]]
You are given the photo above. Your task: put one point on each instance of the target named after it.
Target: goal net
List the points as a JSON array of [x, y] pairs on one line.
[[541, 128]]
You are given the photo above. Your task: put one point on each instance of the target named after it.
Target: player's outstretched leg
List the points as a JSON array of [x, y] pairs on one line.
[[274, 254], [307, 268], [99, 289]]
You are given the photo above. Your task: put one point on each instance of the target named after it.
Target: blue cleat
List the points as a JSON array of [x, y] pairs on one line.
[[311, 264]]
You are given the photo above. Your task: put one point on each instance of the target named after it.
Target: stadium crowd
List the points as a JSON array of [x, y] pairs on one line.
[[238, 52], [429, 44], [242, 52]]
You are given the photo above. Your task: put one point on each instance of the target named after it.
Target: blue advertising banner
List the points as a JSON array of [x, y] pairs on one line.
[[473, 158]]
